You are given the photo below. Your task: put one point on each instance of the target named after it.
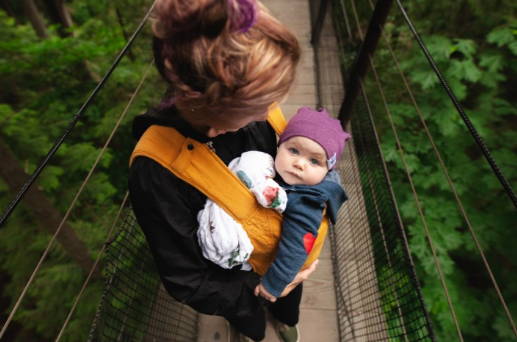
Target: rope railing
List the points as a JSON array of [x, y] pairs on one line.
[[94, 267], [377, 292], [468, 123], [419, 206], [442, 166], [134, 305], [43, 164], [451, 184], [71, 206], [440, 159], [409, 176]]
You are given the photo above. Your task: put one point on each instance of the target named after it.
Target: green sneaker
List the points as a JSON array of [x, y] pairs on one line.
[[287, 333]]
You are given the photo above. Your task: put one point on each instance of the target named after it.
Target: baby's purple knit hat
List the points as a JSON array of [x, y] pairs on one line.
[[320, 127]]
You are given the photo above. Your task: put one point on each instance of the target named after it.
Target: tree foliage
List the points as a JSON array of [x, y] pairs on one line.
[[475, 48], [44, 82]]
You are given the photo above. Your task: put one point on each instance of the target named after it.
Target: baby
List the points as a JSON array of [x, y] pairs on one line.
[[308, 150]]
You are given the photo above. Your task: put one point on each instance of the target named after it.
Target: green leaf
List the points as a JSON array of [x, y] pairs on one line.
[[493, 62], [440, 47], [459, 89], [513, 47], [426, 78], [472, 72], [50, 178], [464, 70], [501, 36], [466, 46]]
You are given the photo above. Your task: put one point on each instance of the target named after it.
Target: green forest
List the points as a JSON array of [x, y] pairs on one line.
[[475, 46], [53, 53]]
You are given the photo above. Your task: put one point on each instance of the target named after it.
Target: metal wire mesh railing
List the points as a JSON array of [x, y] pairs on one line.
[[378, 295], [377, 291], [379, 248], [134, 305]]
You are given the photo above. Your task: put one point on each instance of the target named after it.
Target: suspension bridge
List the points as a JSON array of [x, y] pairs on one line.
[[365, 287]]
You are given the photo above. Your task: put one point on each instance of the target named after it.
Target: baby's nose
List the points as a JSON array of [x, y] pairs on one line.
[[299, 163]]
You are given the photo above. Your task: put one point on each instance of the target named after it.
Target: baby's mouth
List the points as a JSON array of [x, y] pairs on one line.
[[293, 174]]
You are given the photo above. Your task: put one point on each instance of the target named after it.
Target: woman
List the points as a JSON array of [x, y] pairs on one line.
[[226, 62]]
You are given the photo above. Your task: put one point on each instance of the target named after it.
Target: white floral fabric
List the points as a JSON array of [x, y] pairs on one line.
[[222, 239]]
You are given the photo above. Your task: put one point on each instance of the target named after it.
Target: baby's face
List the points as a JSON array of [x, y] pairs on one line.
[[301, 160]]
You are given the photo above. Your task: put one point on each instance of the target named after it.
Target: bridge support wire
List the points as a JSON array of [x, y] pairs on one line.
[[451, 185], [10, 208], [378, 294], [72, 204], [470, 126]]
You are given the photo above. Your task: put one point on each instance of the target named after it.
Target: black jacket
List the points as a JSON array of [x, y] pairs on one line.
[[166, 209]]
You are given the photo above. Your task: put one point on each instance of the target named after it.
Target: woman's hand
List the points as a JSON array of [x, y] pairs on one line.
[[261, 290], [300, 277]]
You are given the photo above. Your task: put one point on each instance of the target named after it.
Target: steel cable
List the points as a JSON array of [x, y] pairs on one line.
[[410, 179], [484, 149], [12, 205], [72, 204], [451, 184]]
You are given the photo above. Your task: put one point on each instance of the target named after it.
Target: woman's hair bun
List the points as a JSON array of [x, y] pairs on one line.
[[189, 19]]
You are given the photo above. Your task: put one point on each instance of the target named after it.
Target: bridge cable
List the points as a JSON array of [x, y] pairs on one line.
[[410, 179], [375, 196], [451, 183], [392, 198], [71, 124], [72, 204], [507, 187], [97, 260]]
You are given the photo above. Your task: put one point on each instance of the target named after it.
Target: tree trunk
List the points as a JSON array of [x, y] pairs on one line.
[[63, 13], [59, 14], [6, 6], [44, 213], [123, 29], [35, 18]]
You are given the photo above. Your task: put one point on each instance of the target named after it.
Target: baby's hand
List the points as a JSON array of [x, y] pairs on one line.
[[261, 290]]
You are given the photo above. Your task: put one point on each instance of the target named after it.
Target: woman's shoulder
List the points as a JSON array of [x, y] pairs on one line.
[[147, 174], [262, 137], [150, 181]]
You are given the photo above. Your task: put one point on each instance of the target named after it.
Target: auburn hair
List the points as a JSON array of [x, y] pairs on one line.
[[212, 68]]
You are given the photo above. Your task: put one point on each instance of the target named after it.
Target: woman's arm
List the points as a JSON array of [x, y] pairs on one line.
[[166, 210]]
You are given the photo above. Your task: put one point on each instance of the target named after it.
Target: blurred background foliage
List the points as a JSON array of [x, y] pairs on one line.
[[53, 53], [474, 43]]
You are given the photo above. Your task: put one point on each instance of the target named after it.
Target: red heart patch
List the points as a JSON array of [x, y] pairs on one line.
[[308, 242]]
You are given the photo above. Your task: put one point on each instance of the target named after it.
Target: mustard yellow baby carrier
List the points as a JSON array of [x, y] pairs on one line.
[[196, 164]]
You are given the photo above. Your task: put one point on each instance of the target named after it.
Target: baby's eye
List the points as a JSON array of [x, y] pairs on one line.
[[315, 161], [293, 150]]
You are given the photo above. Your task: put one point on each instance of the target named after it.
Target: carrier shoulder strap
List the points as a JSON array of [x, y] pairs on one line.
[[276, 119], [197, 165]]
